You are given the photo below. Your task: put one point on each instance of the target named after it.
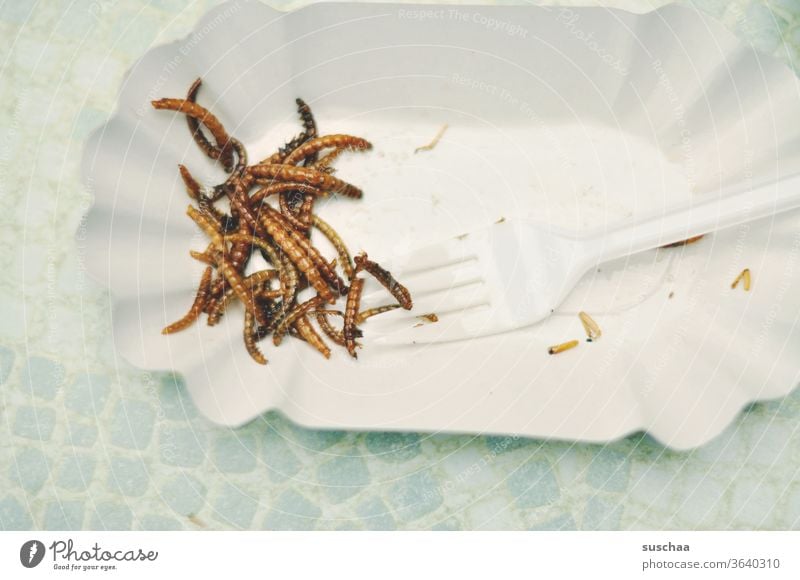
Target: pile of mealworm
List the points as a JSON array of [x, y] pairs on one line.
[[294, 177]]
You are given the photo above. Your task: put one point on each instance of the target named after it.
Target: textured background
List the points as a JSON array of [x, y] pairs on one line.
[[86, 441]]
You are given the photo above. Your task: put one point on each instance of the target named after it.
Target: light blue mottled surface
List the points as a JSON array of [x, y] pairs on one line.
[[86, 441]]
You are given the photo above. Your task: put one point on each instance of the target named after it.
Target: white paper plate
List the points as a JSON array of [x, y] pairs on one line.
[[583, 117]]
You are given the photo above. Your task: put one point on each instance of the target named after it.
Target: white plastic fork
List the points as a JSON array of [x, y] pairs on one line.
[[514, 274]]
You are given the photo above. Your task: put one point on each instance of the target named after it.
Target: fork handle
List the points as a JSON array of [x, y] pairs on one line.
[[704, 216]]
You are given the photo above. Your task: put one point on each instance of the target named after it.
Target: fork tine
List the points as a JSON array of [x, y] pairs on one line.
[[433, 257]]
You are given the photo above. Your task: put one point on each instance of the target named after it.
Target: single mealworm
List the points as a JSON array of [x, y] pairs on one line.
[[199, 137], [249, 333], [345, 142], [205, 117], [197, 306], [309, 132], [309, 127], [336, 336], [400, 292], [306, 330], [236, 172], [290, 280], [336, 241], [193, 187], [240, 252], [305, 212], [362, 316], [351, 314], [562, 347], [308, 175]]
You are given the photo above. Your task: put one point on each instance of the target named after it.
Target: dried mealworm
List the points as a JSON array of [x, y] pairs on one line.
[[306, 330], [309, 132], [205, 117], [435, 141], [362, 316], [250, 338], [197, 306], [290, 280], [307, 118], [236, 173], [193, 187], [336, 336], [241, 203], [400, 292], [336, 241], [345, 142], [291, 317], [199, 137], [305, 212], [592, 329], [743, 276], [350, 329], [562, 347], [307, 175], [309, 127], [208, 226]]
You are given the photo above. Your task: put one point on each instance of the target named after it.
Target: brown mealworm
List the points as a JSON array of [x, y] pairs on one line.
[[344, 142], [400, 292], [336, 241], [336, 336], [350, 330], [197, 306], [211, 151], [362, 316], [205, 117], [249, 333], [306, 330]]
